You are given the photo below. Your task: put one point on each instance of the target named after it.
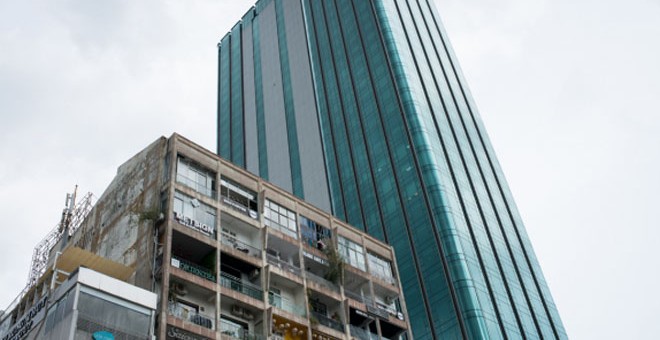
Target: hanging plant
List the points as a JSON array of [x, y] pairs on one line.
[[335, 272]]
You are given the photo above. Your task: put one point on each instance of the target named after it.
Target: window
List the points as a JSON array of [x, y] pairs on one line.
[[95, 307], [239, 198], [352, 253], [59, 311], [194, 214], [280, 218], [196, 177], [380, 267], [313, 233]]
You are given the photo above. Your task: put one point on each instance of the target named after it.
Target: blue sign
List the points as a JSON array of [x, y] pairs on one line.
[[103, 335]]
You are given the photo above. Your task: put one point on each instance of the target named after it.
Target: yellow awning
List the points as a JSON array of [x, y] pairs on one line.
[[74, 257]]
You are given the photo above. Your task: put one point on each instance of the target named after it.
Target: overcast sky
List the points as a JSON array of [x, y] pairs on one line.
[[567, 89]]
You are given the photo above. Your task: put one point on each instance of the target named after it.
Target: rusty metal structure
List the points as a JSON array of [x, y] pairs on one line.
[[72, 217]]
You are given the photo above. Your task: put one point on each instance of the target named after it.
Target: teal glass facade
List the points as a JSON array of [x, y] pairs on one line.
[[359, 107]]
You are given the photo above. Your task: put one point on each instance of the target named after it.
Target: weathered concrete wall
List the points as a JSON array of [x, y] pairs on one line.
[[114, 229]]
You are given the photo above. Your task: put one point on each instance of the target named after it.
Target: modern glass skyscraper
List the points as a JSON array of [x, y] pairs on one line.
[[359, 107]]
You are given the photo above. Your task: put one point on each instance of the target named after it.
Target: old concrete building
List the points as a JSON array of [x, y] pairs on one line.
[[229, 255]]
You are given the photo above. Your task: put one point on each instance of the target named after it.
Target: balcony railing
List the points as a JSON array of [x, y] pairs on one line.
[[328, 322], [199, 187], [321, 281], [239, 206], [283, 264], [390, 309], [193, 268], [234, 283], [241, 246], [179, 312], [363, 298], [285, 304], [386, 278], [362, 334], [281, 228], [235, 331]]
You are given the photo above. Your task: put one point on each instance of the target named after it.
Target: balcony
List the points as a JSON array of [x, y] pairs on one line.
[[193, 268], [235, 284], [362, 334], [200, 187], [278, 301], [328, 322], [239, 198], [384, 277], [359, 297], [286, 266], [230, 330], [181, 312], [322, 282], [234, 242]]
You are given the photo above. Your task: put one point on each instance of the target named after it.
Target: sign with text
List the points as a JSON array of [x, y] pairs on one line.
[[24, 325], [174, 333], [194, 224]]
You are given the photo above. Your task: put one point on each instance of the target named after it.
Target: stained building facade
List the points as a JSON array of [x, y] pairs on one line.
[[360, 108], [185, 245]]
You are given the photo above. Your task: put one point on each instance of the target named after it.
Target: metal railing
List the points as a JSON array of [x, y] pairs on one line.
[[285, 304], [283, 265], [193, 268], [387, 308], [235, 243], [235, 331], [328, 322], [239, 206], [281, 228], [321, 281], [179, 312], [363, 298], [388, 279], [362, 334], [201, 188], [234, 283]]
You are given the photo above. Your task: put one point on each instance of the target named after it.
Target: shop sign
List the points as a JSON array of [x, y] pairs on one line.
[[23, 326], [174, 333], [103, 335], [194, 224]]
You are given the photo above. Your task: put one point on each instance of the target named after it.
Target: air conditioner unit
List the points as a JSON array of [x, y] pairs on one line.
[[248, 315], [180, 289], [237, 310]]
